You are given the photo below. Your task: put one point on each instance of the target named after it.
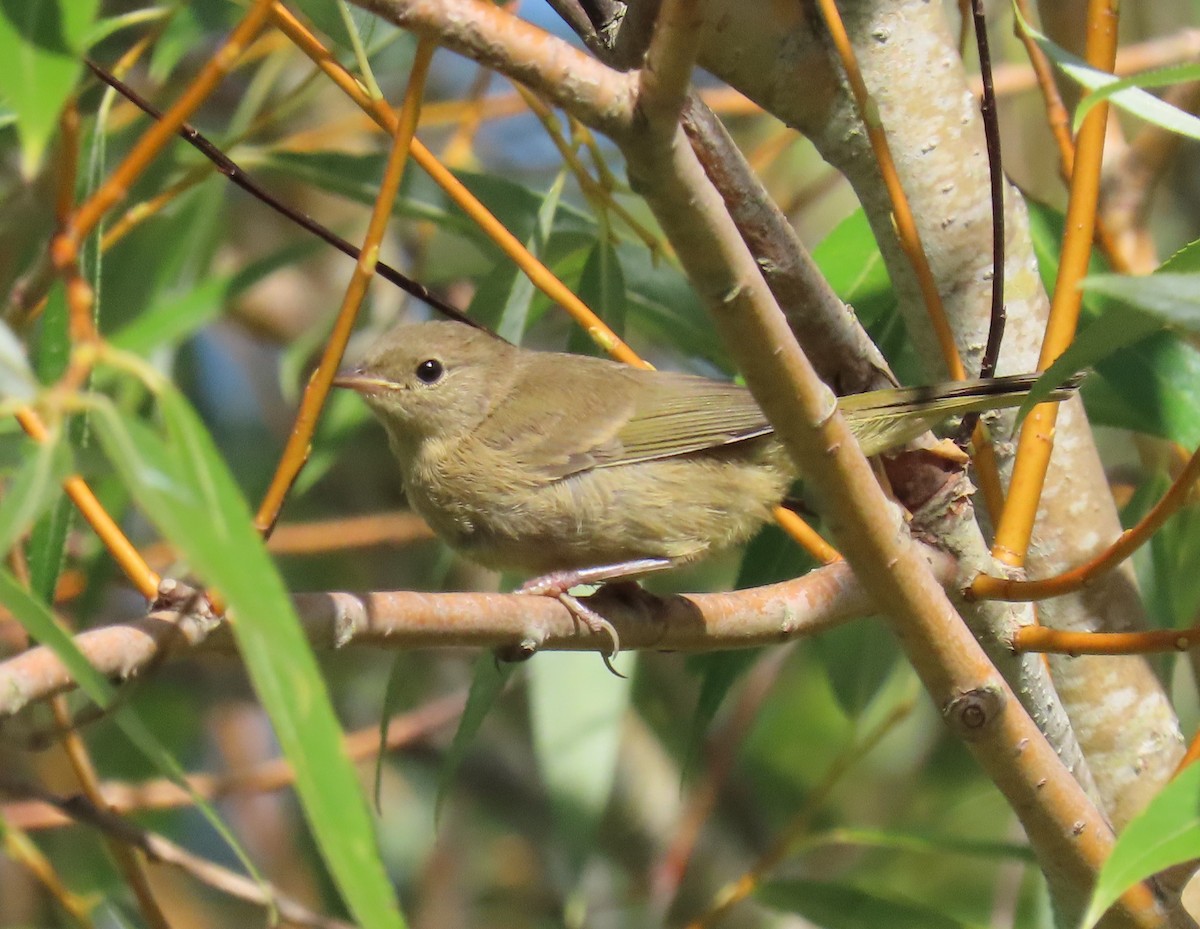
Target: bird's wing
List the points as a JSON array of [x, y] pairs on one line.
[[884, 419], [620, 416], [554, 421], [679, 414]]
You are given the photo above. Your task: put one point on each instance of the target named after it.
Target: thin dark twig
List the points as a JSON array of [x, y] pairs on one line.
[[578, 17], [238, 176], [991, 132]]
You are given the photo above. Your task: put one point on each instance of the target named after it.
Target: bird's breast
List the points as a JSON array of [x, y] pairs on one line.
[[486, 505]]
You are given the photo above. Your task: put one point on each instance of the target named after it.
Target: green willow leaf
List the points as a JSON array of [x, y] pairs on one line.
[[1171, 298], [1159, 77], [32, 491], [1131, 99], [181, 483], [41, 45], [487, 682], [1165, 833], [841, 906], [601, 287], [514, 314]]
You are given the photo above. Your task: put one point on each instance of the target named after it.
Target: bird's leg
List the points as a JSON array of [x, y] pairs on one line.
[[557, 583]]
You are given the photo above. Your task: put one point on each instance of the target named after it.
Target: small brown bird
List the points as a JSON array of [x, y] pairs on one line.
[[582, 469]]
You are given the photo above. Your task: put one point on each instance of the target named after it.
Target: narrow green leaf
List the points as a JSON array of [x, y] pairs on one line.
[[325, 16], [32, 491], [515, 313], [925, 843], [1166, 565], [487, 681], [360, 52], [340, 418], [1146, 383], [48, 540], [174, 316], [1157, 381], [578, 711], [1132, 99], [662, 303], [718, 672], [601, 287], [183, 32], [1165, 833], [17, 380], [1159, 77], [111, 25], [850, 259], [1117, 328], [184, 487], [350, 175], [41, 45], [1185, 260], [1174, 298], [391, 705], [841, 906], [858, 660]]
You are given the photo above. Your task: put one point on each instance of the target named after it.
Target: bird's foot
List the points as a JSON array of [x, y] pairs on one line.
[[597, 624], [558, 583]]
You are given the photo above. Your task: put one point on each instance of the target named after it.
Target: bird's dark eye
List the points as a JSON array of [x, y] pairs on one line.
[[430, 371]]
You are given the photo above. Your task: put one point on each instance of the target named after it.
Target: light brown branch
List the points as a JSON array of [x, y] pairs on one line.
[[802, 607], [664, 78], [557, 71]]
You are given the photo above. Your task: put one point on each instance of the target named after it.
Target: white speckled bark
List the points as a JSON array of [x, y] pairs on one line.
[[909, 60]]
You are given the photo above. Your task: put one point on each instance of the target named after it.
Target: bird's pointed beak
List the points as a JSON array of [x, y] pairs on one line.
[[360, 382]]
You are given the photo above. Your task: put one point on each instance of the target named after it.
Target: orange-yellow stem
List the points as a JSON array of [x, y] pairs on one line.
[[118, 545], [299, 443], [1015, 527]]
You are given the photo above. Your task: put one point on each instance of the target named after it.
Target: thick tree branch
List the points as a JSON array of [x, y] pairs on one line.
[[827, 329], [935, 134], [664, 79]]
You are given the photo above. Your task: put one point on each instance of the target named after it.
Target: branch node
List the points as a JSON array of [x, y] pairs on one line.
[[970, 714], [517, 651]]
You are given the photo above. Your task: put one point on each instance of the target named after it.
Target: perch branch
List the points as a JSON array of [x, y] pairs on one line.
[[819, 600]]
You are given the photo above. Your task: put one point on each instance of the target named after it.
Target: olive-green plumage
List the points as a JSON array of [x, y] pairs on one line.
[[542, 461]]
